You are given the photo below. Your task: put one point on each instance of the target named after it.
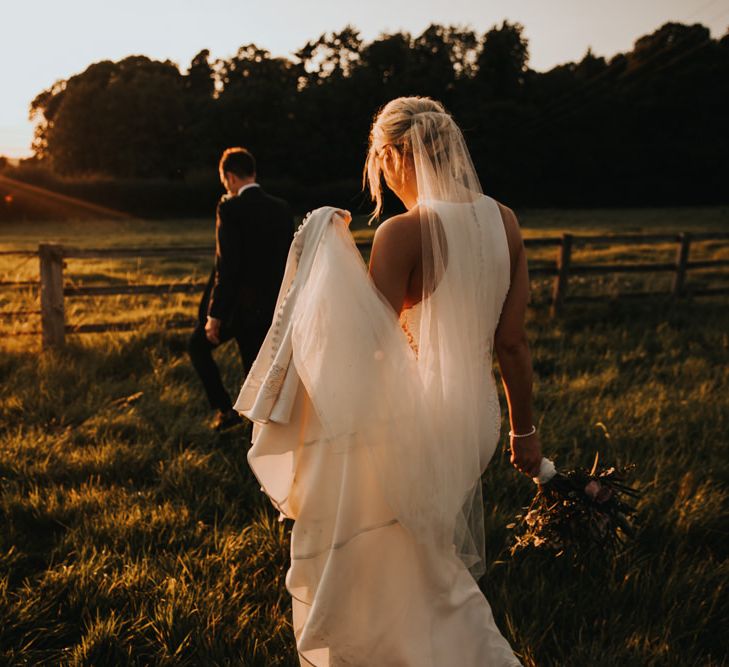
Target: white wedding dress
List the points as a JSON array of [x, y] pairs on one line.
[[359, 455]]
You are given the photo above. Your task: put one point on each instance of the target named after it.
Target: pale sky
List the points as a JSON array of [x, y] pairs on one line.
[[42, 41]]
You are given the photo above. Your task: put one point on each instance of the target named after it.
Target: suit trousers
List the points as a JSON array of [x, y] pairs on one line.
[[248, 330]]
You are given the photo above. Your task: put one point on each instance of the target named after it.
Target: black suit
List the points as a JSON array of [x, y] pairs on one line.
[[253, 232]]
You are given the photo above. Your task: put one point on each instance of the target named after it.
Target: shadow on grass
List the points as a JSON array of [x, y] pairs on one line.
[[135, 535]]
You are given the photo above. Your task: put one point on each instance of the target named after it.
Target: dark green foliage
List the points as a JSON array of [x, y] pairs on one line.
[[586, 515], [124, 119], [645, 127]]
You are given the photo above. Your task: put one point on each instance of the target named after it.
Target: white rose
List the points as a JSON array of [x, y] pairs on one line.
[[547, 470]]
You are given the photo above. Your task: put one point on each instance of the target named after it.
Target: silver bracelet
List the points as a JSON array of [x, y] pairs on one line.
[[523, 435]]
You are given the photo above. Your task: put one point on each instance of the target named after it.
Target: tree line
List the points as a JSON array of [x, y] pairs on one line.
[[644, 127]]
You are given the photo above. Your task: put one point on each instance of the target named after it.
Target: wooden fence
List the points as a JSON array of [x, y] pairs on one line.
[[53, 291]]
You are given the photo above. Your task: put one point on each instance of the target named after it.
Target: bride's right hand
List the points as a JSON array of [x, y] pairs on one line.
[[345, 215], [526, 454]]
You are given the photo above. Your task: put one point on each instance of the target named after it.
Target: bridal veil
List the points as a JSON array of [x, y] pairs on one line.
[[465, 280]]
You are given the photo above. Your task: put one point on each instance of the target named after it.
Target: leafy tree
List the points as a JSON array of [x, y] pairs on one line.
[[255, 106], [645, 126], [333, 55], [199, 100], [502, 63], [121, 119]]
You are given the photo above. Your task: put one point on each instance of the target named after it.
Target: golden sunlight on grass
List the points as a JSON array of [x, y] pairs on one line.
[[132, 534]]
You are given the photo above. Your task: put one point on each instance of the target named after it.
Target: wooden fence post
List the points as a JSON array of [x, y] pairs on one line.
[[682, 254], [559, 286], [53, 321]]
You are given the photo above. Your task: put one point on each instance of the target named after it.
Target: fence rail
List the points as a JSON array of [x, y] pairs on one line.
[[53, 291], [111, 290]]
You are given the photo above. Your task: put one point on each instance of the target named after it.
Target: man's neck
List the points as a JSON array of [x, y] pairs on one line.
[[248, 184]]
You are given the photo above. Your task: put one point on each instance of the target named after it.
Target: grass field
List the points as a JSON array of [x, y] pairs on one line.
[[132, 535], [187, 268]]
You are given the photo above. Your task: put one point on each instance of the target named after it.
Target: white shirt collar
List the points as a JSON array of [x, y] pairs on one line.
[[248, 185]]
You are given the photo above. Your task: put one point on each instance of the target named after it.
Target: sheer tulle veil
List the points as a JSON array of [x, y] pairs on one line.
[[457, 316]]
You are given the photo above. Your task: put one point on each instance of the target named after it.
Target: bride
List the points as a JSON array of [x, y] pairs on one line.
[[376, 412]]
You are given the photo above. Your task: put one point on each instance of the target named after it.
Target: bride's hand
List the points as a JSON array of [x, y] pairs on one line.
[[526, 454], [345, 215]]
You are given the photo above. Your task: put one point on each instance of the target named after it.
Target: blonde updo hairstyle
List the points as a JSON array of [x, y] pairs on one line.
[[391, 127]]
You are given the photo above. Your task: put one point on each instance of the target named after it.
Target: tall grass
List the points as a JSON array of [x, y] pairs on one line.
[[134, 535]]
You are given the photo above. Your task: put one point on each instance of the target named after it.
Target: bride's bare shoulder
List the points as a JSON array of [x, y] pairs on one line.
[[513, 232], [508, 216], [399, 233]]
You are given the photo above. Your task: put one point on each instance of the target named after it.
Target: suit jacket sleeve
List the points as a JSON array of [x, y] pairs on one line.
[[227, 266]]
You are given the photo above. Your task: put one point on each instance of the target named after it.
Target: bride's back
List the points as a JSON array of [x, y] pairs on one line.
[[468, 239], [402, 242]]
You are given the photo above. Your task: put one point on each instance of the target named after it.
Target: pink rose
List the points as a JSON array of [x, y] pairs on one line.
[[604, 494], [592, 489]]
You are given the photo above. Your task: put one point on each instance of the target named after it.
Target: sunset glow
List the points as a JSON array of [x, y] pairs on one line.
[[70, 36]]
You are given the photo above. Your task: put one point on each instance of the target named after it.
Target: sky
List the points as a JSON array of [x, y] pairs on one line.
[[42, 41]]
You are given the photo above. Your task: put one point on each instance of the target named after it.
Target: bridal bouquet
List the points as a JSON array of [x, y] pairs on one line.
[[577, 512]]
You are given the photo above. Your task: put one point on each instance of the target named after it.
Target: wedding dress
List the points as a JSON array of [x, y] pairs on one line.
[[371, 431]]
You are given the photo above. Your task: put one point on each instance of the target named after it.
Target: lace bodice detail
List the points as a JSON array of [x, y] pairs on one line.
[[410, 323]]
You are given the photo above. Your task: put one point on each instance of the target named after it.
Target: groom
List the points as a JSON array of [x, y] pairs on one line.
[[253, 232]]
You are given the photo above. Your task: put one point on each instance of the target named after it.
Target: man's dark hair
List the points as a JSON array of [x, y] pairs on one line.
[[239, 161]]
